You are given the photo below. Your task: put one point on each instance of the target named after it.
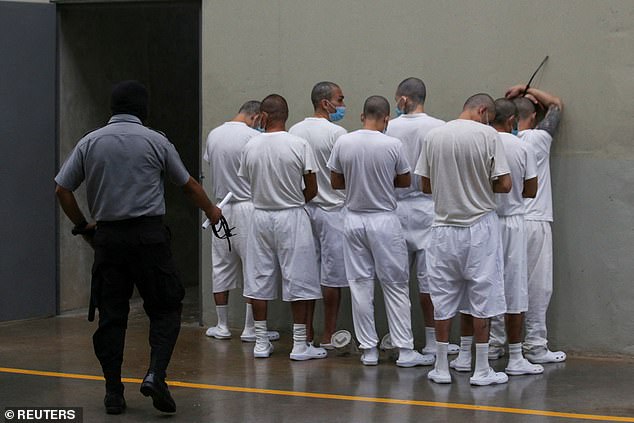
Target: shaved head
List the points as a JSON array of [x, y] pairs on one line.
[[480, 99], [250, 108], [504, 109], [275, 107], [376, 107], [414, 89], [322, 91], [525, 107]]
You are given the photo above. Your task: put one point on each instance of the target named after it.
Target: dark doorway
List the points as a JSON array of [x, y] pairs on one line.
[[157, 43]]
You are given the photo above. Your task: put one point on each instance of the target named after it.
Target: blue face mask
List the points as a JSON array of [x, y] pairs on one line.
[[399, 112], [514, 131], [259, 128], [338, 114]]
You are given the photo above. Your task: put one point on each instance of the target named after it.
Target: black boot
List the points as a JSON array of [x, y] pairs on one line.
[[114, 402], [155, 387]]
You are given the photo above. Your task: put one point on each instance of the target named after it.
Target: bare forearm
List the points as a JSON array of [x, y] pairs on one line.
[[503, 184], [545, 98], [403, 181], [337, 180], [310, 181], [530, 188], [196, 194], [426, 185], [309, 194], [69, 205]]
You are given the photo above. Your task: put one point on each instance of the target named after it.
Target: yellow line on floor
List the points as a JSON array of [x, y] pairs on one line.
[[471, 407]]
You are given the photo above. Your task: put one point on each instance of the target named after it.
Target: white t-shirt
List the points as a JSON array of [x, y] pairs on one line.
[[369, 162], [411, 130], [521, 161], [462, 158], [274, 164], [223, 151], [321, 134], [541, 207]]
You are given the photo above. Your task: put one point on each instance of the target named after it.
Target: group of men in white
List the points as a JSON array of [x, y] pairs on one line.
[[465, 205]]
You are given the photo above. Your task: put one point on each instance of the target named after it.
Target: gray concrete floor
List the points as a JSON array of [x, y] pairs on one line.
[[588, 388]]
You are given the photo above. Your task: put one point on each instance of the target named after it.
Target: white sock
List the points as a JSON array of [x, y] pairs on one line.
[[261, 332], [299, 335], [515, 351], [430, 337], [482, 358], [222, 311], [465, 348], [248, 318], [442, 364]]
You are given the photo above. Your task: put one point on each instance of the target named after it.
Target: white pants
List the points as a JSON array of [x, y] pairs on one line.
[[416, 215], [328, 231], [513, 236], [374, 247], [281, 246], [229, 267], [466, 269], [512, 231], [540, 282]]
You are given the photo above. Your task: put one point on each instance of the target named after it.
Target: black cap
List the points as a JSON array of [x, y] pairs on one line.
[[129, 97]]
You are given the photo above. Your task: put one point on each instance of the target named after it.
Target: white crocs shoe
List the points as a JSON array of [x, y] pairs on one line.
[[262, 350], [495, 352], [545, 356], [452, 349], [412, 358], [523, 367], [218, 333], [340, 339], [490, 378], [309, 352], [439, 377], [460, 365], [370, 357], [249, 336]]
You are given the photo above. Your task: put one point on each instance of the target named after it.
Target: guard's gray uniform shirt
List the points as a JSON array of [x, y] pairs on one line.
[[124, 164]]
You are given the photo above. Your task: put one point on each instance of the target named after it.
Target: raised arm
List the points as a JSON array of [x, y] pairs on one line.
[[552, 103]]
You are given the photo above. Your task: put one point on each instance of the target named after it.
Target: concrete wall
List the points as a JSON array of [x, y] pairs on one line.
[[157, 44], [251, 49]]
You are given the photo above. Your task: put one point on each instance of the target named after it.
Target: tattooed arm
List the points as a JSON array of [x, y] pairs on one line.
[[551, 120]]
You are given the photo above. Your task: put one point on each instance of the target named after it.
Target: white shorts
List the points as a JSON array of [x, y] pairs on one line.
[[465, 266], [416, 215], [513, 237], [228, 267], [374, 246], [281, 246], [328, 232]]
